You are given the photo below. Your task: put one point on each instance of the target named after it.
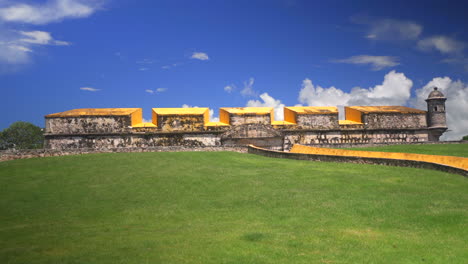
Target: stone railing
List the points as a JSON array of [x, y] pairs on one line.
[[357, 160], [35, 153]]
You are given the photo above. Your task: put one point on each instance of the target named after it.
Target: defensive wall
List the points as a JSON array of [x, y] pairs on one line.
[[454, 165], [237, 126]]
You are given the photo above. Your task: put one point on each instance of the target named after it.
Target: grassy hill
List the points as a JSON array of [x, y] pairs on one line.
[[222, 207]]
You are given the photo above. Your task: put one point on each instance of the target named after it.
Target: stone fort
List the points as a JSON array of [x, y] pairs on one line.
[[237, 126]]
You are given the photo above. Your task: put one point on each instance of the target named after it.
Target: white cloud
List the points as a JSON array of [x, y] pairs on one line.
[[394, 90], [40, 38], [269, 101], [143, 69], [51, 11], [229, 88], [390, 29], [248, 88], [200, 56], [160, 90], [213, 118], [89, 89], [16, 47], [377, 62], [149, 91], [442, 44], [456, 104]]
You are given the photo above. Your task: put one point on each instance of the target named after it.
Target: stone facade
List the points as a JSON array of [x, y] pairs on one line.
[[190, 127]]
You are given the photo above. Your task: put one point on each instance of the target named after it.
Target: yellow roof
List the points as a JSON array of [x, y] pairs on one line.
[[313, 110], [348, 122], [181, 111], [96, 112], [282, 123], [146, 124], [386, 109], [216, 124], [248, 110]]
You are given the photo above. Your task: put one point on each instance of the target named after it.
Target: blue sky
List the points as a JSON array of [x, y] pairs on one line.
[[58, 55]]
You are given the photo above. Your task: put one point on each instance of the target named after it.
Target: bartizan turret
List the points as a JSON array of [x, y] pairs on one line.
[[436, 120]]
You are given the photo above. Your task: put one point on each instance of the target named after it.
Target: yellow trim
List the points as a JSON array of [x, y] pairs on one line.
[[215, 124], [386, 109], [248, 110], [348, 122], [96, 112], [313, 110], [458, 162], [274, 123], [181, 111], [144, 125], [353, 115]]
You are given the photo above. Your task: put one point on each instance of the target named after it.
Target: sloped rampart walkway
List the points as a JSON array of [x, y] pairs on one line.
[[456, 165]]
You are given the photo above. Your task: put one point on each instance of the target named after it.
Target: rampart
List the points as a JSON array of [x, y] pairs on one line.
[[241, 126], [358, 159]]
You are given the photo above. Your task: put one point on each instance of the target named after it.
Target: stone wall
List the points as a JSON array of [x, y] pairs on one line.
[[36, 153], [88, 124], [329, 121], [337, 137], [394, 121], [132, 140], [357, 160], [170, 123], [249, 119]]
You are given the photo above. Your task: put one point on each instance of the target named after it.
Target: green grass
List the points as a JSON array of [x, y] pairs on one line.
[[223, 207], [459, 150]]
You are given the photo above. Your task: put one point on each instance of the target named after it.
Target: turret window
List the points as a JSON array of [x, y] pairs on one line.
[[435, 108]]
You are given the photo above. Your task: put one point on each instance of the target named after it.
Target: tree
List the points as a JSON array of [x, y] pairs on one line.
[[21, 135], [465, 137]]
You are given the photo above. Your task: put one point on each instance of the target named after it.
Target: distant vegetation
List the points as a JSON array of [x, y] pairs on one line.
[[459, 150], [199, 207], [21, 135], [465, 137]]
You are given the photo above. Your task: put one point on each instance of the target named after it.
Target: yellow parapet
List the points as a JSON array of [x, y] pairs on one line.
[[386, 109], [225, 111], [135, 113], [181, 111], [146, 124], [348, 122], [458, 162], [216, 124]]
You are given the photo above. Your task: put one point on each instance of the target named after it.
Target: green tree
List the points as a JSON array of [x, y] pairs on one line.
[[21, 135], [465, 137]]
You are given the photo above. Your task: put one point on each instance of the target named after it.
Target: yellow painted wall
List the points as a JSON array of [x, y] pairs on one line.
[[224, 116], [353, 115], [289, 115], [154, 117], [458, 162], [137, 117]]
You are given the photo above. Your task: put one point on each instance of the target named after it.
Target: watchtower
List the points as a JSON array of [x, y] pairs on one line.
[[436, 120]]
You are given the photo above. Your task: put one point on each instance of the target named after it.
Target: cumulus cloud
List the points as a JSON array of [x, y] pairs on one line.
[[16, 47], [456, 104], [200, 56], [89, 89], [442, 44], [229, 88], [390, 29], [51, 11], [377, 62], [394, 90], [269, 101], [213, 118], [149, 91], [248, 88]]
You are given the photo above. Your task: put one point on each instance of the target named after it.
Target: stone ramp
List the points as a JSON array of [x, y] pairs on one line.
[[457, 162]]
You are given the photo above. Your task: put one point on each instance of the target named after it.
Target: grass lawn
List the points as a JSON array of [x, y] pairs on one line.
[[222, 207], [459, 150]]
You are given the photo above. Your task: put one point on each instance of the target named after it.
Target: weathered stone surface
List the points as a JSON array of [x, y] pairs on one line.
[[249, 119], [394, 121], [85, 125], [328, 121]]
